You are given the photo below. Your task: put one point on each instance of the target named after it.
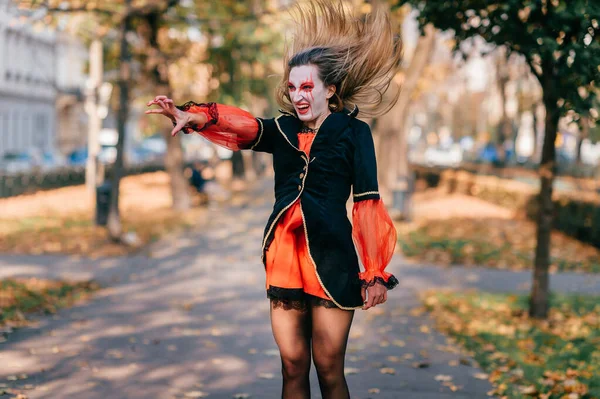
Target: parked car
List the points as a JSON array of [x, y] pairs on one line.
[[450, 156], [489, 154], [52, 160], [18, 162], [78, 157]]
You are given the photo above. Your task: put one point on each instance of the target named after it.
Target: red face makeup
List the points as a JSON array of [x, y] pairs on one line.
[[308, 94]]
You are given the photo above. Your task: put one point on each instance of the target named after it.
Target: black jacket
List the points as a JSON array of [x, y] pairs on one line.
[[342, 157]]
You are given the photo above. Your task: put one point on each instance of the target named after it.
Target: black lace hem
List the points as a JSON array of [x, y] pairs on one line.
[[285, 304], [291, 294], [390, 284], [296, 299], [213, 113]]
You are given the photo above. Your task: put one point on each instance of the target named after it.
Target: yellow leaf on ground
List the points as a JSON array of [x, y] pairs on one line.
[[195, 394], [481, 376]]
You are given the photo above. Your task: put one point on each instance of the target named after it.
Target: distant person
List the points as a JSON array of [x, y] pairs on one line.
[[336, 63], [197, 180]]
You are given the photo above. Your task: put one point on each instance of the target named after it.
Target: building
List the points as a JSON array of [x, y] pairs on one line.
[[27, 84], [41, 80]]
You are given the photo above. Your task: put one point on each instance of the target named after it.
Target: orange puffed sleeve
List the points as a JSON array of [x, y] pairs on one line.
[[227, 126], [375, 239]]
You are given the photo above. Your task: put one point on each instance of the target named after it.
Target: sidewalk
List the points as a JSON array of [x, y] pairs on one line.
[[191, 320]]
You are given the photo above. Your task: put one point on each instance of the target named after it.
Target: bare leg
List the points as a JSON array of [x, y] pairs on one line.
[[330, 329], [291, 329]]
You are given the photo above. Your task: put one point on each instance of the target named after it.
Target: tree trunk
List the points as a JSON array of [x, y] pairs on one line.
[[538, 305], [502, 80], [237, 165], [180, 195], [583, 134], [114, 220], [174, 159], [535, 131], [392, 148]]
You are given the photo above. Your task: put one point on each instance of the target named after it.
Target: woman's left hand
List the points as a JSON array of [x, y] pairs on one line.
[[376, 294]]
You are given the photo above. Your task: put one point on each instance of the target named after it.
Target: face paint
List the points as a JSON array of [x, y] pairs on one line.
[[308, 94]]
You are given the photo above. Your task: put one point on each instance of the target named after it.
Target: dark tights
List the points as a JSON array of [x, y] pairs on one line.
[[327, 330]]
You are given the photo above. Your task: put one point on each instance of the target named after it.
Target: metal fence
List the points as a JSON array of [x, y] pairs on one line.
[[30, 182]]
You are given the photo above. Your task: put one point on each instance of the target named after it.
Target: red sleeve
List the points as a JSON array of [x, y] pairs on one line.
[[375, 239], [227, 126]]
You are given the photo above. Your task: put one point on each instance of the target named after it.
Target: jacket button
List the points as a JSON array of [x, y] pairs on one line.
[[299, 188], [301, 175]]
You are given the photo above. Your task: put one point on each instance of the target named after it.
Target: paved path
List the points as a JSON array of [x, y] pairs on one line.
[[192, 320]]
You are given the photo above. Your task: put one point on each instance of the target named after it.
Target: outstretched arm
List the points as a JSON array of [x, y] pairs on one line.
[[227, 126]]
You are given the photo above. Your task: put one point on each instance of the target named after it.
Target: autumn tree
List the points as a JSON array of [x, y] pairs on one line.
[[138, 36], [560, 41]]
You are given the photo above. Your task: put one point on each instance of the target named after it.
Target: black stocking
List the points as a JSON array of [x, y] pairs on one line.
[[291, 329], [330, 329]]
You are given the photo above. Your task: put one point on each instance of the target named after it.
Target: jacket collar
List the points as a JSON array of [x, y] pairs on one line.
[[290, 126]]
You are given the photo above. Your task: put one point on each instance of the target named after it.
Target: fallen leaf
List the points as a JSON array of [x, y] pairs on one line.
[[195, 394], [114, 354], [443, 377], [241, 396], [387, 370], [350, 370], [528, 390], [374, 390], [266, 376], [481, 376]]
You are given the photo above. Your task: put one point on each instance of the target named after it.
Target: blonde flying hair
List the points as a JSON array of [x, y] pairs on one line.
[[358, 55]]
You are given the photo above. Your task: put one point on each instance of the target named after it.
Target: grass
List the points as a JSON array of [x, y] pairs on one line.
[[77, 234], [495, 243], [555, 358], [19, 297], [43, 223]]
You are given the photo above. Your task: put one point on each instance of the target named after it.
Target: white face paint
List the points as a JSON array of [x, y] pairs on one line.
[[309, 95]]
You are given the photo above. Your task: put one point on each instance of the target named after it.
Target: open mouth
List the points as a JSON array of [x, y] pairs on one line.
[[302, 108]]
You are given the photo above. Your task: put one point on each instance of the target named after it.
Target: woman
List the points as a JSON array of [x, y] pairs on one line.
[[320, 150]]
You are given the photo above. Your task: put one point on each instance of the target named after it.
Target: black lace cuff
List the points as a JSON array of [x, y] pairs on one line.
[[391, 283], [213, 113]]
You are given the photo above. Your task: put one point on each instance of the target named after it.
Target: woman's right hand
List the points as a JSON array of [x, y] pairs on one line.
[[178, 117]]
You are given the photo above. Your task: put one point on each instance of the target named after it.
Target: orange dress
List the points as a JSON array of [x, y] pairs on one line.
[[287, 260]]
